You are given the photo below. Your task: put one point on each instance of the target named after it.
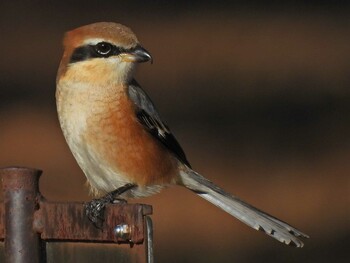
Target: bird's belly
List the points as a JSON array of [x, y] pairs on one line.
[[113, 149], [104, 176]]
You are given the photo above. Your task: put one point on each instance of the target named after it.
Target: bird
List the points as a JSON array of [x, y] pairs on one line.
[[118, 138]]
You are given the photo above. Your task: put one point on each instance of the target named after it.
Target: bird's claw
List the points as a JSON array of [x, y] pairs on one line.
[[95, 209]]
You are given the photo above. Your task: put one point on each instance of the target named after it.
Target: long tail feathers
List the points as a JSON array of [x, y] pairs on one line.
[[244, 212]]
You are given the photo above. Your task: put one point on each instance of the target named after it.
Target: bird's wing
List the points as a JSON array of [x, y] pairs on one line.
[[150, 119]]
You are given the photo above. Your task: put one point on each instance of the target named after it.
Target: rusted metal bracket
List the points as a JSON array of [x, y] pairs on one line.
[[67, 221], [27, 220]]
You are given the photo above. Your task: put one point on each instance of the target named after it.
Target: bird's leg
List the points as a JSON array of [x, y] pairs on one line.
[[95, 208]]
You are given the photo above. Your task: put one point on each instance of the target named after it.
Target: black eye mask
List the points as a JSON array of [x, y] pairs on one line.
[[100, 50]]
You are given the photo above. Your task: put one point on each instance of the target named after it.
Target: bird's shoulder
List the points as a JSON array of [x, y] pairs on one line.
[[149, 117]]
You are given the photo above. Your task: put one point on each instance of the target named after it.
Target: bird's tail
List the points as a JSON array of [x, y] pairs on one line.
[[244, 212]]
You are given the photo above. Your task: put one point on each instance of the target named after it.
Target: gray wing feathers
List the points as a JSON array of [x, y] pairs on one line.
[[246, 213], [253, 217], [142, 101], [148, 116]]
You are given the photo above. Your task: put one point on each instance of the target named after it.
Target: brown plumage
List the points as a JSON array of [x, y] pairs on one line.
[[144, 160], [116, 134]]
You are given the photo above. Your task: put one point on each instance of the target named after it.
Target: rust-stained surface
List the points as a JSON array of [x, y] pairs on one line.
[[67, 252], [27, 220], [20, 178], [2, 222], [21, 192], [67, 221]]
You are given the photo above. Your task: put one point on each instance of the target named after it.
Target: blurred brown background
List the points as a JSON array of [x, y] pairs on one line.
[[257, 94]]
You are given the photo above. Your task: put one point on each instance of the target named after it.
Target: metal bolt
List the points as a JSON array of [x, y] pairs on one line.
[[123, 232]]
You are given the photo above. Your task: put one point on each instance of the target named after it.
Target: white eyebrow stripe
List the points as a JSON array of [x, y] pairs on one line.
[[94, 41]]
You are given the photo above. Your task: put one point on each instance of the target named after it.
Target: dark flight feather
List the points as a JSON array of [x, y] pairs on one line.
[[150, 119]]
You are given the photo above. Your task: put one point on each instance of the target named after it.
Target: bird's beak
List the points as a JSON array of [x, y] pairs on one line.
[[137, 54]]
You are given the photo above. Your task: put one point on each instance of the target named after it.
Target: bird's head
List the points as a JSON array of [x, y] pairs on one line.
[[101, 53]]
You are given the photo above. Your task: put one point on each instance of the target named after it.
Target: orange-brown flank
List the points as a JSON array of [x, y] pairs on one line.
[[124, 144]]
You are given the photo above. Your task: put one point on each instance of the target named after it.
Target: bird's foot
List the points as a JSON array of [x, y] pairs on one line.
[[95, 209]]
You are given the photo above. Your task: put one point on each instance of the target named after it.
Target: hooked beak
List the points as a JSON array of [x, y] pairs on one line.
[[137, 54]]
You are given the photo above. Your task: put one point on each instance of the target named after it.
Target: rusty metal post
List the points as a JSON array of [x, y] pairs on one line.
[[149, 242], [21, 194]]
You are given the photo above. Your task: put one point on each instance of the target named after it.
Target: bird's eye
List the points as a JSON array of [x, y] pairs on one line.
[[104, 48]]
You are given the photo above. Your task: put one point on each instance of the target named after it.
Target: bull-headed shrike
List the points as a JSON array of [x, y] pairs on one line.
[[117, 136]]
